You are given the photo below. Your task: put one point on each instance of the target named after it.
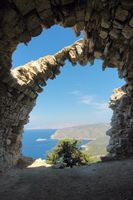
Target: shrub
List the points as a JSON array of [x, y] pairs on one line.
[[67, 153]]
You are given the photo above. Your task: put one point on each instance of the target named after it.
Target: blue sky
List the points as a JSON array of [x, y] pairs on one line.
[[79, 95]]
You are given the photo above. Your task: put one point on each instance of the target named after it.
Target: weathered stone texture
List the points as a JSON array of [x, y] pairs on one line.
[[108, 28], [121, 132], [19, 91]]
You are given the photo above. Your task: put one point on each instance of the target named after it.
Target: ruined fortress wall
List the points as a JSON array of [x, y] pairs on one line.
[[108, 28]]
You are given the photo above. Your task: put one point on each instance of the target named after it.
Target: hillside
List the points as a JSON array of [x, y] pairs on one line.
[[96, 133], [90, 132]]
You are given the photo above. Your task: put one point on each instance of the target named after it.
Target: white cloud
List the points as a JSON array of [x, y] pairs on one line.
[[75, 92], [86, 99], [90, 101], [94, 111]]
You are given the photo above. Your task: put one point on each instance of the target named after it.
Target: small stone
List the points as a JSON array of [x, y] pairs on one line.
[[103, 34], [97, 54], [19, 28], [110, 148], [11, 18], [80, 16], [50, 60], [114, 33], [105, 23], [24, 6], [131, 22], [65, 2], [106, 49], [117, 25], [45, 14], [8, 141], [32, 22], [55, 2], [47, 18], [8, 31], [37, 31], [24, 37], [78, 28], [20, 97], [69, 21], [79, 50], [88, 13], [121, 14], [42, 5], [72, 55], [127, 32], [127, 4]]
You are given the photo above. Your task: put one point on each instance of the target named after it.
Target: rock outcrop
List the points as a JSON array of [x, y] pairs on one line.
[[108, 28]]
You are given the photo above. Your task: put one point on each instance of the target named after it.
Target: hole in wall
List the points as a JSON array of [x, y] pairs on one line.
[[77, 97]]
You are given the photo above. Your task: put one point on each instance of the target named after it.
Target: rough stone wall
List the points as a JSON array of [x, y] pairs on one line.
[[121, 132], [108, 27], [18, 93]]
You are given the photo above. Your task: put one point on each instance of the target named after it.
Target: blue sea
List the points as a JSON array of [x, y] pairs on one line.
[[36, 143]]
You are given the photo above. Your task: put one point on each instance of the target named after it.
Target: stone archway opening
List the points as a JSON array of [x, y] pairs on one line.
[[82, 97], [109, 32], [52, 114]]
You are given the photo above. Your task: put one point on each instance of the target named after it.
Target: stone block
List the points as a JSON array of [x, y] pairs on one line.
[[117, 25], [8, 31], [127, 32], [78, 28], [97, 54], [55, 2], [37, 31], [103, 34], [47, 18], [114, 33], [32, 22], [131, 22], [73, 57], [24, 37], [24, 6], [65, 2], [46, 14], [88, 11], [42, 5], [105, 23], [69, 21], [10, 17], [19, 27], [127, 4], [121, 14], [80, 15]]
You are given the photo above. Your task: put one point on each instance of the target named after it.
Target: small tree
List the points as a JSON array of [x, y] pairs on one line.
[[68, 153]]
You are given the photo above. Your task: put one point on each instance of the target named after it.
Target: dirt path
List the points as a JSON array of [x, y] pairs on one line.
[[102, 181]]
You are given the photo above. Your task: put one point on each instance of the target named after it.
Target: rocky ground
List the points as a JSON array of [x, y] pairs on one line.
[[102, 181]]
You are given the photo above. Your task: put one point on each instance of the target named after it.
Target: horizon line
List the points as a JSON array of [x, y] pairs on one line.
[[43, 128]]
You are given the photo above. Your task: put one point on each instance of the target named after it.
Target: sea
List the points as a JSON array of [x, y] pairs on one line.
[[36, 143]]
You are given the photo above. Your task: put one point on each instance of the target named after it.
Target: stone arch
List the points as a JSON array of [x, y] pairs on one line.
[[108, 26]]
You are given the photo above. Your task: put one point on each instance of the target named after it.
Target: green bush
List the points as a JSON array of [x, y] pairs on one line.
[[68, 153]]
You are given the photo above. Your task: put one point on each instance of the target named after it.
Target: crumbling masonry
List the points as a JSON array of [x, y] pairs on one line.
[[108, 28]]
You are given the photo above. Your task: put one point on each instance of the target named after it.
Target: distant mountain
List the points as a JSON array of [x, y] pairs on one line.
[[96, 133], [90, 132]]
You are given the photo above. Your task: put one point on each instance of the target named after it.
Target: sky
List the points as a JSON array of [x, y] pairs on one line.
[[79, 95]]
